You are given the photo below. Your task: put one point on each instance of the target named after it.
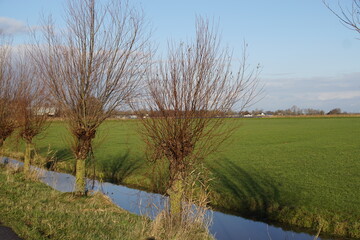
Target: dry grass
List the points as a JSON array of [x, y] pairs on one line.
[[164, 229], [196, 217]]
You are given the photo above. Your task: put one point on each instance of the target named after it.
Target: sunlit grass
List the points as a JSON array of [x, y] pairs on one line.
[[35, 211], [294, 170]]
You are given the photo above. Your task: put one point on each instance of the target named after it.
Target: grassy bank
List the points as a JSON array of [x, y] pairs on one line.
[[36, 211], [300, 171]]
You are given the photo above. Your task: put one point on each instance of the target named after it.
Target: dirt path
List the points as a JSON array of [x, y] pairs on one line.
[[7, 233]]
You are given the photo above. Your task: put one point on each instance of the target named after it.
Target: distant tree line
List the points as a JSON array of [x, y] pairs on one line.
[[293, 111]]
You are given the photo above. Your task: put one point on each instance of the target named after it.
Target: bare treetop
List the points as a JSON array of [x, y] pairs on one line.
[[196, 86], [350, 17], [7, 90], [98, 58], [31, 97]]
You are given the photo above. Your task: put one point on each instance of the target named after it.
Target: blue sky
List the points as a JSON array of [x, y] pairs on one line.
[[309, 58]]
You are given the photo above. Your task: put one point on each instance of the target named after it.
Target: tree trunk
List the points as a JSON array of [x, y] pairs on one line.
[[176, 195], [1, 147], [29, 154], [82, 151], [1, 144], [80, 186]]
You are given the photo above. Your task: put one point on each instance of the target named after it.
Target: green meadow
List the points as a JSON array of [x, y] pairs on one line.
[[297, 171]]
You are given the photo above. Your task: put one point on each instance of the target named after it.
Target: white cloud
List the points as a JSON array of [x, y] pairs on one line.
[[319, 92], [12, 26], [325, 96]]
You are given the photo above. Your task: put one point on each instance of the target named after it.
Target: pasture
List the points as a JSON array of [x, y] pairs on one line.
[[299, 171]]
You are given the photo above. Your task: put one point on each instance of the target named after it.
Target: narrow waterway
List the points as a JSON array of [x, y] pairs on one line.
[[224, 226]]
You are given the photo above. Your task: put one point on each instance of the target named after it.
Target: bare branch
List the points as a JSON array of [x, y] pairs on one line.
[[187, 98], [32, 101], [31, 98], [349, 17], [7, 90], [95, 65]]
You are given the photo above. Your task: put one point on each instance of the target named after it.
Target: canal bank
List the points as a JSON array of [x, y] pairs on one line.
[[224, 226]]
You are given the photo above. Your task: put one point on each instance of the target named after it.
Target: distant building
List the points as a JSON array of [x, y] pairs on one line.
[[50, 111], [127, 116]]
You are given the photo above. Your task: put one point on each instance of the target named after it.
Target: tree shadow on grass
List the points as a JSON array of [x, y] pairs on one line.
[[54, 158], [112, 169], [240, 191], [115, 169]]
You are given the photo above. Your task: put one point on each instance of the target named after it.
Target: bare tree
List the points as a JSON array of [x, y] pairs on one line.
[[349, 16], [334, 111], [32, 102], [190, 93], [93, 67], [7, 123]]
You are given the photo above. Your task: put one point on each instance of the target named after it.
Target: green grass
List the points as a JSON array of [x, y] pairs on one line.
[[301, 171], [310, 162], [36, 211]]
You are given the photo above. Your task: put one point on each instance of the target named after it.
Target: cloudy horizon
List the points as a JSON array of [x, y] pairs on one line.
[[309, 59], [322, 93]]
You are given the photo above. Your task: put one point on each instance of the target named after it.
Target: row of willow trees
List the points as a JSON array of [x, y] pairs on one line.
[[22, 99], [101, 61]]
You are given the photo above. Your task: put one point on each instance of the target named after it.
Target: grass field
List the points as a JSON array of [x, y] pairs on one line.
[[300, 171]]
